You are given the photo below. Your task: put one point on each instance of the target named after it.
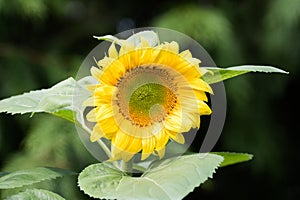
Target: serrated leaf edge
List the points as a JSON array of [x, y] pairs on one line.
[[210, 175], [110, 166]]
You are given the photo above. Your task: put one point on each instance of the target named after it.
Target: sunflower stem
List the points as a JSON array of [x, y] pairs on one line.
[[127, 166], [104, 147], [100, 142]]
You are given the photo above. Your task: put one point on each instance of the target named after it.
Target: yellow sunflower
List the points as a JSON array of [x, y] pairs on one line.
[[145, 96]]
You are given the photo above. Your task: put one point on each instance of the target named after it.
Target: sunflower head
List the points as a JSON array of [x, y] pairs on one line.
[[146, 94]]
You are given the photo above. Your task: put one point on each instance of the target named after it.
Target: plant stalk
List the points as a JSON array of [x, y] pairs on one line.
[[127, 167]]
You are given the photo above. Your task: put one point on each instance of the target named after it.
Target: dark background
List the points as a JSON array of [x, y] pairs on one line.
[[43, 42]]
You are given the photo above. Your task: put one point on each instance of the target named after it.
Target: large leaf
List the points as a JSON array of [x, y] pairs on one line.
[[221, 74], [30, 176], [233, 158], [59, 97], [35, 194], [65, 114], [57, 100], [169, 179]]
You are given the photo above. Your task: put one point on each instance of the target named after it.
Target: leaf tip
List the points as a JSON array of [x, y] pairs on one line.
[[231, 158], [96, 37]]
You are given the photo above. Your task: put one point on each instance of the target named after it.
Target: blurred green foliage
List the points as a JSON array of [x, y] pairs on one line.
[[209, 26], [43, 42]]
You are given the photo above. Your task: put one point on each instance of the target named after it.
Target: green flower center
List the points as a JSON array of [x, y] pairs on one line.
[[145, 96], [149, 103]]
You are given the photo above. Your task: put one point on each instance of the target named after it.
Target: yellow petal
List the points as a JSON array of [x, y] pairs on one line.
[[168, 58], [125, 47], [204, 71], [199, 84], [190, 105], [126, 126], [91, 116], [103, 95], [115, 153], [104, 112], [186, 54], [191, 120], [105, 61], [161, 140], [113, 72], [92, 87], [121, 141], [174, 47], [161, 152], [194, 61], [171, 47], [135, 145], [112, 51], [144, 43], [204, 108], [126, 156], [200, 95], [96, 73], [148, 147], [175, 122], [145, 155], [114, 157], [186, 69], [89, 102], [156, 129], [96, 134], [148, 144], [197, 123], [179, 138], [108, 127], [116, 69]]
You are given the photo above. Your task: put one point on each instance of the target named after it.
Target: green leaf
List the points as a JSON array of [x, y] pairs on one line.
[[108, 38], [57, 100], [233, 158], [221, 74], [30, 176], [35, 194], [59, 97], [3, 173], [169, 179], [65, 114]]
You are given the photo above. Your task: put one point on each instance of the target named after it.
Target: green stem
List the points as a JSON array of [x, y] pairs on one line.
[[127, 166], [104, 147], [100, 142]]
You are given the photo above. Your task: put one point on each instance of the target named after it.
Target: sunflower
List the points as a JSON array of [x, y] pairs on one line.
[[145, 96]]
